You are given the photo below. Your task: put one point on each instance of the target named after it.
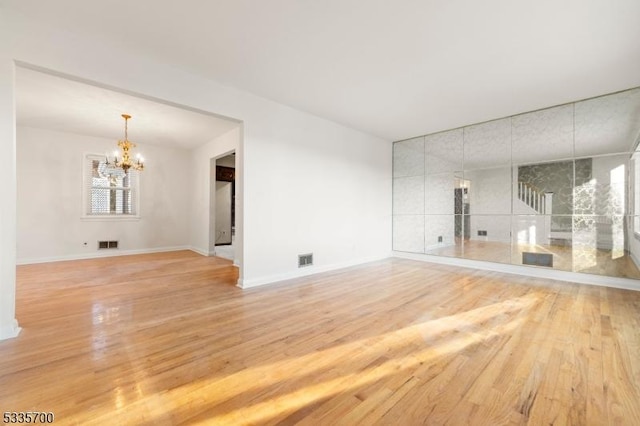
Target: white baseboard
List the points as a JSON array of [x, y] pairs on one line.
[[9, 331], [438, 246], [200, 251], [493, 240], [208, 253], [576, 277], [303, 272], [95, 255]]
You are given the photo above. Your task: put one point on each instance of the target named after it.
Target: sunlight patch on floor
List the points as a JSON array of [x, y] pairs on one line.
[[205, 395]]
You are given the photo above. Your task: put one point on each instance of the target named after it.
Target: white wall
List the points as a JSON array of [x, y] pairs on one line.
[[50, 186], [490, 195], [498, 228], [8, 324], [490, 191], [223, 213], [317, 188]]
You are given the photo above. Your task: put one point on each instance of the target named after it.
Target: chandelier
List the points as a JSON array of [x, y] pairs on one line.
[[123, 160]]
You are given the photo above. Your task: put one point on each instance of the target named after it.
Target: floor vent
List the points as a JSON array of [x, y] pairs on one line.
[[305, 260], [537, 259], [107, 244]]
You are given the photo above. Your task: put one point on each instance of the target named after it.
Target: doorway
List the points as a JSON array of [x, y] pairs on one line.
[[224, 212], [461, 209]]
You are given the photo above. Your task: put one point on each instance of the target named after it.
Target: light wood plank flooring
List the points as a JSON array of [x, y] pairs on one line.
[[168, 339]]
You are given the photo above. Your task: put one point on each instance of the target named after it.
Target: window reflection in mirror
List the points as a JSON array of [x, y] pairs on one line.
[[555, 188]]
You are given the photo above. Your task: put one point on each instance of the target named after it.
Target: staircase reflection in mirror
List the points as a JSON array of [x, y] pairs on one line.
[[562, 181]]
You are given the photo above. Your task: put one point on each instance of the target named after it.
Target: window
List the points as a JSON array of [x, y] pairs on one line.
[[109, 192]]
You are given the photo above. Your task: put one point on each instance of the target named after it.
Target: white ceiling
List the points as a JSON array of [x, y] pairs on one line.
[[51, 102], [396, 69]]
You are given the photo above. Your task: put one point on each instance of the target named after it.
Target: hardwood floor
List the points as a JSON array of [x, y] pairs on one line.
[[168, 339]]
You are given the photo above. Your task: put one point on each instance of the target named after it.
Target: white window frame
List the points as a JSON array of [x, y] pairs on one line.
[[86, 196]]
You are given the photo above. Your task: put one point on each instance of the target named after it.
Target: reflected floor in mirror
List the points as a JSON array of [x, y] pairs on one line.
[[589, 260]]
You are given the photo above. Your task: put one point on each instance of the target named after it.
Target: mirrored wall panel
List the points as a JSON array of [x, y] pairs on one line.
[[489, 238], [537, 240], [408, 158], [556, 188], [443, 152], [608, 124], [602, 187], [438, 190], [443, 235], [408, 233], [489, 191], [542, 136], [487, 145], [408, 195]]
